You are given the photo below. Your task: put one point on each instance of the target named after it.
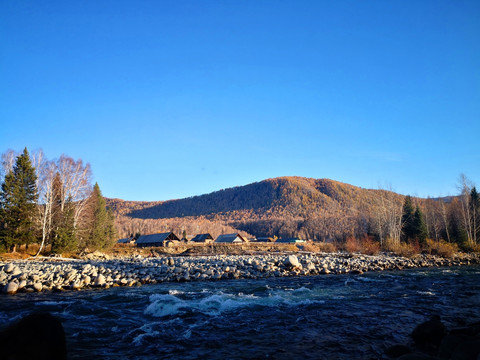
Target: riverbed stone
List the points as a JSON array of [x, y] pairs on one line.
[[292, 261], [100, 280], [38, 287], [11, 288], [8, 268]]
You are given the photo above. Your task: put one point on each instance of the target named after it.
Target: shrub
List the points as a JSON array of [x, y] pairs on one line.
[[441, 248], [369, 246], [366, 245], [317, 247], [352, 245], [401, 248], [470, 247]]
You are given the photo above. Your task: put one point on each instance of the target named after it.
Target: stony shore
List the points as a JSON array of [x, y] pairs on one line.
[[50, 274]]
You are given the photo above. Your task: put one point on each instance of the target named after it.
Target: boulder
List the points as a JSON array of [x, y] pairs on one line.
[[22, 284], [311, 266], [429, 334], [87, 280], [100, 280], [396, 351], [38, 286], [292, 261], [36, 336], [11, 288], [8, 268], [469, 349]]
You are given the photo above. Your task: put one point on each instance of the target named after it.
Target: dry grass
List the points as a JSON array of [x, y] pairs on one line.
[[475, 248], [365, 245], [317, 247], [441, 248], [402, 249], [21, 252]]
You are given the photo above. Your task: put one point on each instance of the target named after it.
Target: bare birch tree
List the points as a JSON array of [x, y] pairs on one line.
[[465, 187], [46, 173], [7, 162], [445, 220], [76, 183]]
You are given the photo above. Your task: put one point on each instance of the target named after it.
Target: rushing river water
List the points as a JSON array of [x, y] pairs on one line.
[[321, 317]]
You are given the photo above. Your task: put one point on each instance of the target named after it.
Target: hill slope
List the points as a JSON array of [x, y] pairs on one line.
[[285, 206]]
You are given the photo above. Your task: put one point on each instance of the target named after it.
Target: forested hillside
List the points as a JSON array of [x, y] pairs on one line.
[[315, 209], [287, 206]]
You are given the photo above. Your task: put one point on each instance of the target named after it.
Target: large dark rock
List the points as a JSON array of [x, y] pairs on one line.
[[35, 337], [467, 350], [396, 351], [429, 334], [459, 347], [416, 356]]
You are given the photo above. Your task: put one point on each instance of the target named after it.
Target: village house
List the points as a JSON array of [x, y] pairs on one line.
[[230, 238], [203, 238], [129, 240], [163, 239]]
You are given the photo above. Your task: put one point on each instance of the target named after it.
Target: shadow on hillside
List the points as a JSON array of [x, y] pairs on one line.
[[250, 197]]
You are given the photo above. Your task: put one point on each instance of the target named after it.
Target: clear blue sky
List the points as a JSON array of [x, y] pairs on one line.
[[167, 99]]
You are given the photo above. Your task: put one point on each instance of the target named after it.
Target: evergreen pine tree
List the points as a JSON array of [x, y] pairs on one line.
[[18, 201], [408, 226], [102, 233], [65, 234], [475, 214], [420, 227], [63, 230]]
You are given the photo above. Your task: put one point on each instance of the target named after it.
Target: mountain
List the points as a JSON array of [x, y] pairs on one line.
[[285, 206]]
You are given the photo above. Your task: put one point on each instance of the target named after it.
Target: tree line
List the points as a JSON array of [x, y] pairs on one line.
[[52, 203], [321, 210]]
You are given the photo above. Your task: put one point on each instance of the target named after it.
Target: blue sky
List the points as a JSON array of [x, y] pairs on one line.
[[168, 99]]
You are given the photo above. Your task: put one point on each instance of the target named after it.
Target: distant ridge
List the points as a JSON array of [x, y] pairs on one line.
[[289, 206]]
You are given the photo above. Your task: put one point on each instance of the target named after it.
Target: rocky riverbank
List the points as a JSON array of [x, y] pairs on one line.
[[36, 275]]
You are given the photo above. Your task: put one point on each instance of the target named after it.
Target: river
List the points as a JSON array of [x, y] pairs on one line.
[[318, 317]]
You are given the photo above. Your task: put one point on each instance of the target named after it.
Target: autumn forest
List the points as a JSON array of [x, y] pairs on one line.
[[53, 203]]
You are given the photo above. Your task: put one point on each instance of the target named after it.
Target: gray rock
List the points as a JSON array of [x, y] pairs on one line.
[[292, 261], [11, 288], [100, 280], [38, 286], [22, 284], [8, 268]]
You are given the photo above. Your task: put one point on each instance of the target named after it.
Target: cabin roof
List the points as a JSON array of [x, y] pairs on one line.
[[229, 238], [202, 237], [156, 238]]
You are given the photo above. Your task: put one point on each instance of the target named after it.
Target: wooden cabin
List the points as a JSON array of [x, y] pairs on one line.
[[163, 239], [230, 238], [128, 241], [203, 238]]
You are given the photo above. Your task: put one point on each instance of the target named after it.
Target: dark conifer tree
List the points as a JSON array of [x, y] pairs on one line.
[[475, 214], [420, 226], [18, 201], [408, 226], [63, 236], [102, 232]]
